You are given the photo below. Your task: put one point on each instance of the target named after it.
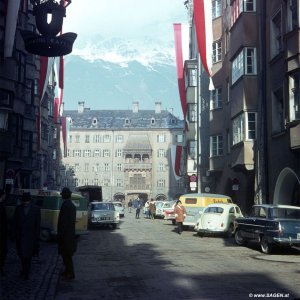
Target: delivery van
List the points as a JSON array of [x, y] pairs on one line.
[[195, 204], [49, 202]]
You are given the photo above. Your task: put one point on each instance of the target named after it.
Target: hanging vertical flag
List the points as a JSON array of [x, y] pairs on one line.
[[181, 38], [10, 26], [46, 64], [56, 110], [203, 25], [175, 158], [64, 127]]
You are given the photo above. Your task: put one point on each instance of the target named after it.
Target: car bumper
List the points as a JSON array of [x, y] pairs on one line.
[[286, 241]]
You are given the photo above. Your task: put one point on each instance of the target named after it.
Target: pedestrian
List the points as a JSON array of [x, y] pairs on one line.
[[180, 214], [129, 205], [66, 238], [3, 232], [27, 226], [138, 208], [152, 209], [147, 211]]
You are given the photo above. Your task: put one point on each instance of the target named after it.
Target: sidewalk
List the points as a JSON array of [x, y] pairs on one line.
[[43, 276]]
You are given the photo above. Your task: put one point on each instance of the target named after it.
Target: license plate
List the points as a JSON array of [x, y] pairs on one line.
[[298, 236]]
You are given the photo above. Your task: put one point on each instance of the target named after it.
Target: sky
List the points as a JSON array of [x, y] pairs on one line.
[[129, 19]]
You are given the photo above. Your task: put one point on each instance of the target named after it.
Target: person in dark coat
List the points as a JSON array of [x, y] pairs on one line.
[[27, 225], [3, 232], [66, 237]]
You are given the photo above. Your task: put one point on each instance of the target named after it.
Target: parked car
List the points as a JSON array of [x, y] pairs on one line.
[[218, 218], [102, 213], [119, 207], [168, 211], [269, 225]]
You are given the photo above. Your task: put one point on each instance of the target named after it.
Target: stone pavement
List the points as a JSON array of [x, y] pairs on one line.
[[43, 279]]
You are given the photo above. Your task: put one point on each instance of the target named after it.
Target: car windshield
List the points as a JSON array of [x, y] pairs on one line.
[[100, 206], [214, 210], [285, 213]]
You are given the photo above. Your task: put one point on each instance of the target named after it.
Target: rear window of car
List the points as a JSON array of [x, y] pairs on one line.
[[215, 210], [101, 206], [118, 204]]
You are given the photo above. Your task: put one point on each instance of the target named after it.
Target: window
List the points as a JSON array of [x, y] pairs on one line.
[[240, 6], [106, 167], [216, 98], [95, 121], [77, 168], [119, 153], [216, 145], [216, 8], [152, 121], [217, 52], [76, 181], [161, 183], [276, 35], [86, 181], [97, 152], [244, 64], [106, 138], [87, 138], [192, 112], [106, 153], [192, 149], [118, 182], [96, 181], [161, 167], [179, 138], [77, 153], [161, 153], [97, 138], [293, 14], [190, 77], [294, 97], [87, 153], [97, 168], [244, 127], [77, 139], [277, 111], [70, 138], [86, 167], [119, 138], [161, 138], [119, 167]]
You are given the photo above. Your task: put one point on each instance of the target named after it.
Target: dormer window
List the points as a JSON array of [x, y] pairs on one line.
[[94, 121], [127, 121], [152, 121]]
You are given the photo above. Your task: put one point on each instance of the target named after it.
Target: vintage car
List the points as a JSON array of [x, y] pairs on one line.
[[119, 208], [159, 213], [270, 225], [218, 218], [168, 211], [102, 213]]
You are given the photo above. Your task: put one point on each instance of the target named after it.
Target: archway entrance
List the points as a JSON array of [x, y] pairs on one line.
[[287, 189]]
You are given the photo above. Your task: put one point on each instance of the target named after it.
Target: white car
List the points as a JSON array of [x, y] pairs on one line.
[[119, 208], [218, 218], [102, 213]]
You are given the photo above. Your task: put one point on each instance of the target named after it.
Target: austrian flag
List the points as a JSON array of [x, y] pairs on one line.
[[203, 25]]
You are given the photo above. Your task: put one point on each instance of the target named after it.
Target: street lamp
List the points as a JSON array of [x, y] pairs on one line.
[[49, 16]]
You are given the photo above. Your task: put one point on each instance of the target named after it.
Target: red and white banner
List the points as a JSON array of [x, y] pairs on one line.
[[204, 33], [10, 26], [176, 159], [46, 64], [181, 38]]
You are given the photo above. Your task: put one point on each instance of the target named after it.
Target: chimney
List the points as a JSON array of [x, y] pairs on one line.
[[80, 107], [157, 107], [135, 107]]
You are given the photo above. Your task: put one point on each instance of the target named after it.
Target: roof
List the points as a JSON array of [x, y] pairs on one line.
[[123, 119], [138, 142]]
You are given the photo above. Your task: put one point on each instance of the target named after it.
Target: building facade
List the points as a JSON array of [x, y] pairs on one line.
[[250, 120], [127, 152]]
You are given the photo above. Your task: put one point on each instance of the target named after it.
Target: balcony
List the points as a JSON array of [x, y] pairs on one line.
[[242, 156], [137, 166]]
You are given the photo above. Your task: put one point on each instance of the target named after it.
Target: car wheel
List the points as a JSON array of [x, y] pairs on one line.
[[266, 247], [230, 231], [238, 238]]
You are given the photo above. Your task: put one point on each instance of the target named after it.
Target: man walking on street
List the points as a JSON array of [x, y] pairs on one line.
[[27, 226], [66, 238], [180, 214]]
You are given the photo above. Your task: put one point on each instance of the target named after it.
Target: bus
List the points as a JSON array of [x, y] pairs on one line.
[[49, 202]]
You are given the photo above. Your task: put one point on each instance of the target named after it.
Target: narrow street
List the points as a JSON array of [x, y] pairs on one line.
[[146, 259]]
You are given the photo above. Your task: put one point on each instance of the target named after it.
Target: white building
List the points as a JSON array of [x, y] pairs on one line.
[[127, 152]]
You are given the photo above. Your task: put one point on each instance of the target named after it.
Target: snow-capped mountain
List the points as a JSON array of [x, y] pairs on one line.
[[112, 73]]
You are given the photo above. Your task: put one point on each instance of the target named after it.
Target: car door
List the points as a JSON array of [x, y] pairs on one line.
[[248, 224]]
